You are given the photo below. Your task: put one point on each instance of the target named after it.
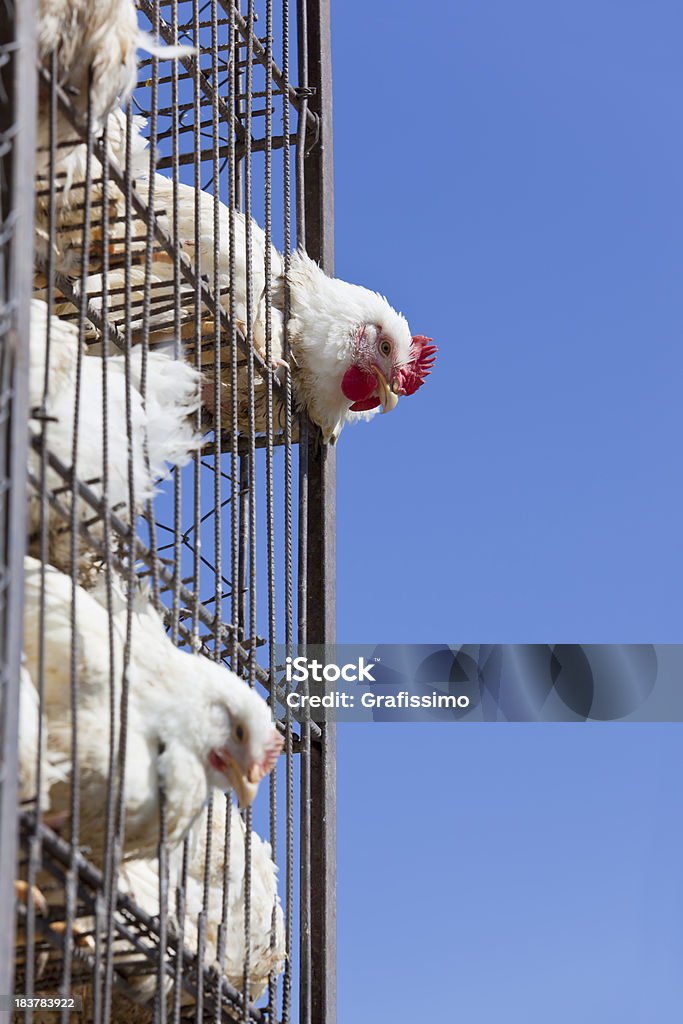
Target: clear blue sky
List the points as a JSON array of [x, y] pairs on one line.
[[509, 174]]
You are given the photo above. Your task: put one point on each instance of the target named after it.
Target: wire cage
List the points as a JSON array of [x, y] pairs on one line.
[[141, 218]]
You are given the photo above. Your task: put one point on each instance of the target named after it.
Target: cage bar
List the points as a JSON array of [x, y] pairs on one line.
[[318, 194], [17, 117]]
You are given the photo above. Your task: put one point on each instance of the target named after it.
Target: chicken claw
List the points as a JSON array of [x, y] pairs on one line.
[[22, 888]]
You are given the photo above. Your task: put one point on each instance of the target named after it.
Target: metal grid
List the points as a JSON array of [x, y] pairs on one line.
[[238, 548]]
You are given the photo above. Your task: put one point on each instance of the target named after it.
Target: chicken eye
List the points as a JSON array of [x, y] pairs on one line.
[[385, 347], [239, 733]]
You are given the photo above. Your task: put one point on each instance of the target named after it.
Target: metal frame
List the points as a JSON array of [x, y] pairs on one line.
[[17, 119], [318, 172], [233, 636]]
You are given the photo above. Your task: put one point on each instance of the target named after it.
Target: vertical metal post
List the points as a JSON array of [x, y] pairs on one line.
[[17, 135], [320, 611]]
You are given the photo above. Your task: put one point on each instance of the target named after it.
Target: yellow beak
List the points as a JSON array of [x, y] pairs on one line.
[[245, 786], [388, 399]]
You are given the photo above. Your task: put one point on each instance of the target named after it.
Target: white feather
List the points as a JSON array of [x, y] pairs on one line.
[[162, 428], [52, 768], [94, 41], [152, 46]]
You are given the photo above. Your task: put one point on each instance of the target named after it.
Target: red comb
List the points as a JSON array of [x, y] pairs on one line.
[[421, 361]]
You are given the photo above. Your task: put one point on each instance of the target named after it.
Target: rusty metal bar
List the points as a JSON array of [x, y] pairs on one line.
[[316, 77]]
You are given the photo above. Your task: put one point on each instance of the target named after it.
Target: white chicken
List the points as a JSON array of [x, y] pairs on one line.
[[163, 432], [140, 880], [351, 352], [192, 724]]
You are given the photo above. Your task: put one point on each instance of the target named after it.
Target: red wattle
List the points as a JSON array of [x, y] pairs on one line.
[[367, 403], [358, 386]]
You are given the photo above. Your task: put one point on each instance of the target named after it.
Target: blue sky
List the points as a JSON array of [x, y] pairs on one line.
[[509, 175]]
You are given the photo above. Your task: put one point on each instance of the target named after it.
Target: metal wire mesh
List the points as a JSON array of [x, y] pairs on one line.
[[143, 219]]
